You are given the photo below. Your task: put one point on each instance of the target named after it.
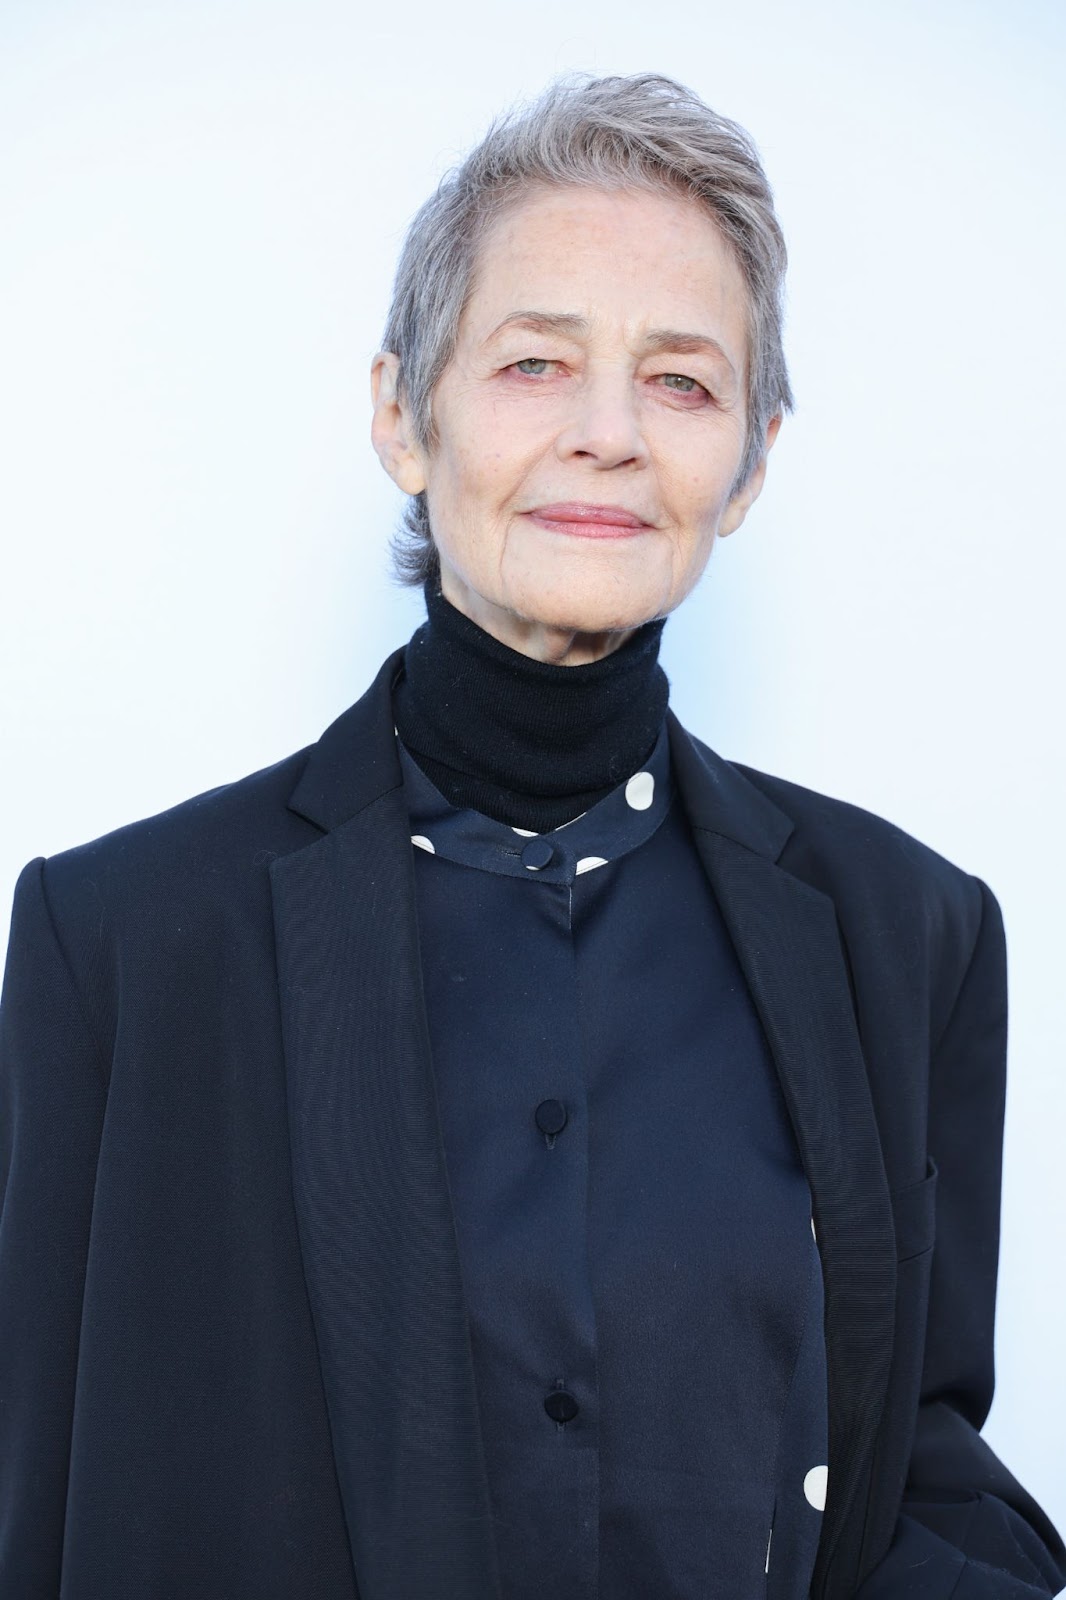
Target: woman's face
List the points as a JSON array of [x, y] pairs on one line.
[[601, 359]]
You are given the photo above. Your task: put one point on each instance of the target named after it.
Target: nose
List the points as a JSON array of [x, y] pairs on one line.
[[604, 424]]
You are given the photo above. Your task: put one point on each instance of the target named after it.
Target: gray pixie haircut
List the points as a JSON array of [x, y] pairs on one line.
[[644, 132]]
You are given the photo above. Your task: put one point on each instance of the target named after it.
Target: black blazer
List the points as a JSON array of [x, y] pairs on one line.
[[234, 1359]]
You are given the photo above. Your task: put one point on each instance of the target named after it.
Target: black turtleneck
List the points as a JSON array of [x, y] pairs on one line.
[[524, 741]]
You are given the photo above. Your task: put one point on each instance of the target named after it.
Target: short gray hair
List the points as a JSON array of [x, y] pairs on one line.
[[645, 132]]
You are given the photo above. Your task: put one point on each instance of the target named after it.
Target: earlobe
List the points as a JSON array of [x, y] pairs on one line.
[[389, 432], [742, 501], [745, 498]]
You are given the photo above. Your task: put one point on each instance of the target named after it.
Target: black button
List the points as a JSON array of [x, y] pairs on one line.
[[537, 854], [551, 1116], [561, 1405]]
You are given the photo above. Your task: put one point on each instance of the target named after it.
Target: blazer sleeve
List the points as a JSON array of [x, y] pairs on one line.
[[52, 1097], [967, 1530]]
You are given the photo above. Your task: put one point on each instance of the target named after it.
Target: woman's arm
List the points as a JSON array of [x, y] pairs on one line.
[[52, 1097], [968, 1530]]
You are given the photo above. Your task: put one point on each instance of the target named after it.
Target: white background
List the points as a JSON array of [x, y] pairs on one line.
[[202, 207]]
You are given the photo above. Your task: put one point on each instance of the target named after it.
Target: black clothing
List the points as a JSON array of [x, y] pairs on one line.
[[632, 1215], [520, 740], [235, 1357]]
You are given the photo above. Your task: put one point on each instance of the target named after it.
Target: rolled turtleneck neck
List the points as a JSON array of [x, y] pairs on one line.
[[524, 741]]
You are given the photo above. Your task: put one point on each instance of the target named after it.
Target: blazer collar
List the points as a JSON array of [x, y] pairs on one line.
[[369, 1179], [720, 800], [355, 761]]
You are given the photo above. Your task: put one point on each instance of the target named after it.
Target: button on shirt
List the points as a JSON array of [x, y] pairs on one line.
[[643, 1286]]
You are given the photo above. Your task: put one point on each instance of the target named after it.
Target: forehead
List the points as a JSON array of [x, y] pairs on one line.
[[624, 260]]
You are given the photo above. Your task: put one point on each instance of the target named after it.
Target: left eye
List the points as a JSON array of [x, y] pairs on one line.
[[684, 379], [535, 361]]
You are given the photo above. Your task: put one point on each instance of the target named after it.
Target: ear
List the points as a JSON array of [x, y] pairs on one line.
[[744, 499], [390, 429]]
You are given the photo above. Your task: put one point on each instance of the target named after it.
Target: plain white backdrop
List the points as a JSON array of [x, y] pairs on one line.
[[202, 207]]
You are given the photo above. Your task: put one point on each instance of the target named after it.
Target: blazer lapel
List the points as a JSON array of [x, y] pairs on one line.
[[374, 1214], [788, 943]]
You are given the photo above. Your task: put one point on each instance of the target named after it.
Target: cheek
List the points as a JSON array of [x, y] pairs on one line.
[[458, 489], [697, 499], [489, 472]]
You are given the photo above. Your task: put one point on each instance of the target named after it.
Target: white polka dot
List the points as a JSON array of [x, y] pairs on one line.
[[527, 833], [640, 790], [587, 863], [814, 1487], [422, 842]]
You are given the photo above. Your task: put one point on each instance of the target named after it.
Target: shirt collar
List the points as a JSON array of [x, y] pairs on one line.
[[618, 823]]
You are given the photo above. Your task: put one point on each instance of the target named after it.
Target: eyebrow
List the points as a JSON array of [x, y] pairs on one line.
[[656, 340]]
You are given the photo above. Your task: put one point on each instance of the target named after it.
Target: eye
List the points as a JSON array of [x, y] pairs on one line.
[[535, 361], [685, 380]]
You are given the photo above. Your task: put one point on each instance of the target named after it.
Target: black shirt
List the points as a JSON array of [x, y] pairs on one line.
[[643, 1287]]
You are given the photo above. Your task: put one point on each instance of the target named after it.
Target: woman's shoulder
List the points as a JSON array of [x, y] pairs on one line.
[[829, 816], [199, 851], [208, 856], [870, 865]]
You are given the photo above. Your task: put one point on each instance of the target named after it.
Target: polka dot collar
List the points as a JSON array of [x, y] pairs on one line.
[[618, 823]]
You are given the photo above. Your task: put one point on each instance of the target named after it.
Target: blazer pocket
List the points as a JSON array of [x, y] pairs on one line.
[[914, 1215]]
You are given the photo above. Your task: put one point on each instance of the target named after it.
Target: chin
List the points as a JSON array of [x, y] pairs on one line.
[[584, 597], [573, 611]]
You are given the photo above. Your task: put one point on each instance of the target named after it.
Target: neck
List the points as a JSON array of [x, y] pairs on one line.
[[526, 741]]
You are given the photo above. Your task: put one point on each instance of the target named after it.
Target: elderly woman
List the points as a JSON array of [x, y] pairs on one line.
[[506, 1150]]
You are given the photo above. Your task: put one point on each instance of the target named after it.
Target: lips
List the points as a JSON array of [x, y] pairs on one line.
[[580, 520], [579, 511]]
